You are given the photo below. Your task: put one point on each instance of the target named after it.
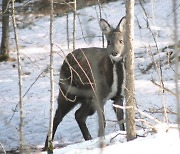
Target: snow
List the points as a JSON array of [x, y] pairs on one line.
[[34, 48], [161, 142]]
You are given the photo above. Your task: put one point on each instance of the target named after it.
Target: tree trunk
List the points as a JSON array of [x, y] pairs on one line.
[[176, 61], [50, 145], [100, 16], [67, 29], [21, 105], [129, 91], [67, 23], [74, 26], [4, 51]]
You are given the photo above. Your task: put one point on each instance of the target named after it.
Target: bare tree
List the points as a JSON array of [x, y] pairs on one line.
[[67, 25], [129, 91], [176, 61], [74, 26], [100, 16], [4, 50], [50, 145], [21, 105]]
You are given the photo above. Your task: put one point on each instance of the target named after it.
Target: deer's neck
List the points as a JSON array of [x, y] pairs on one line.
[[114, 86], [117, 87]]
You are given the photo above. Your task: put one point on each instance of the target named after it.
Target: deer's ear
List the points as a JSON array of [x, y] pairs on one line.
[[105, 27], [122, 24]]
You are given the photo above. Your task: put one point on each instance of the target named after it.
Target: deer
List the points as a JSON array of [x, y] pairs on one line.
[[90, 77]]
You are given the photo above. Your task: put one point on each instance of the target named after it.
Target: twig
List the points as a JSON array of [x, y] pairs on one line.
[[154, 38], [148, 116], [7, 7], [84, 38], [116, 136], [159, 111], [15, 109], [148, 124], [164, 88], [122, 107], [174, 10], [141, 112], [158, 67]]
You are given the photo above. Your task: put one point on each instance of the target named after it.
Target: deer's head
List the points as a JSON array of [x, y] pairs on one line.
[[115, 39]]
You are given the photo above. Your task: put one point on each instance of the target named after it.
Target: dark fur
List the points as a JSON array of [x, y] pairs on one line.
[[103, 78], [86, 77]]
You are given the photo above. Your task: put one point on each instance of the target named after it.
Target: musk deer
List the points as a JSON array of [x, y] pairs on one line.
[[91, 76]]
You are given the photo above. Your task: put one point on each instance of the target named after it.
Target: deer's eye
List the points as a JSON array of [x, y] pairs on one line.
[[121, 41], [108, 42]]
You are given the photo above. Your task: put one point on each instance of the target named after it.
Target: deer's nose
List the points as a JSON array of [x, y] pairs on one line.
[[114, 53]]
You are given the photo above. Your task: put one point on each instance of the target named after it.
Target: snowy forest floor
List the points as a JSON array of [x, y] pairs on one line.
[[150, 51]]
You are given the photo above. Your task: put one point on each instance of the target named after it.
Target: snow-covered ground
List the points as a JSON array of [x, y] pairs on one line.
[[34, 48], [163, 142]]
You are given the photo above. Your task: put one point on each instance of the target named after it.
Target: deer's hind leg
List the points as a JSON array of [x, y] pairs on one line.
[[64, 106], [81, 115]]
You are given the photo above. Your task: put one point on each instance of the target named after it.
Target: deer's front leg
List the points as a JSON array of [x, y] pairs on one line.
[[119, 112]]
